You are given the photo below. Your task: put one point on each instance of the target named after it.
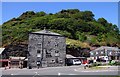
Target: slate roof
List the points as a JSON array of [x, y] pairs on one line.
[[107, 48], [46, 32]]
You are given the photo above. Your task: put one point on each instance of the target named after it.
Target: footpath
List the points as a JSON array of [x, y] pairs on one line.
[[99, 69]]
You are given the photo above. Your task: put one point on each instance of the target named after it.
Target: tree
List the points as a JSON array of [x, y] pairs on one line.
[[40, 22], [116, 29], [72, 23], [27, 15], [69, 11], [88, 16], [39, 14], [102, 21], [81, 36], [96, 28]]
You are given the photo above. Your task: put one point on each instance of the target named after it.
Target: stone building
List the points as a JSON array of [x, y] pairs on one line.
[[106, 53], [46, 49]]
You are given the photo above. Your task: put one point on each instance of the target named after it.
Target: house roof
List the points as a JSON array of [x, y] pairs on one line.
[[1, 50], [17, 58], [70, 56], [107, 48], [46, 32]]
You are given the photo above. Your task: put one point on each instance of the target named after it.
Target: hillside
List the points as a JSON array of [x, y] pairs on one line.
[[80, 27]]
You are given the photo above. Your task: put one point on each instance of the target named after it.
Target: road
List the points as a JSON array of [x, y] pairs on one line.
[[66, 70]]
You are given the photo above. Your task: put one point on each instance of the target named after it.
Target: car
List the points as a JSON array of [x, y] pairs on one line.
[[76, 62], [73, 62]]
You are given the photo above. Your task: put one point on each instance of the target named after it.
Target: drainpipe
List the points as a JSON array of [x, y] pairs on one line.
[[42, 49]]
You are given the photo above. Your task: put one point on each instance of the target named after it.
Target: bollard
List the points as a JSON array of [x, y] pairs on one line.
[[5, 67], [84, 67]]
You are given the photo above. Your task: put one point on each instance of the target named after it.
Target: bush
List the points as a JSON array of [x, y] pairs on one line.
[[117, 63], [114, 63], [96, 64]]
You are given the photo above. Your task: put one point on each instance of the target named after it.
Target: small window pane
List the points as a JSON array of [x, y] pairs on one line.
[[56, 51], [38, 55], [38, 51]]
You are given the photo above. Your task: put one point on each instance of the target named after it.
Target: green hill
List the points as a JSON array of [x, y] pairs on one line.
[[80, 27]]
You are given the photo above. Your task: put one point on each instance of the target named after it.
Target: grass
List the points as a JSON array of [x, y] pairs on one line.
[[77, 43], [96, 67]]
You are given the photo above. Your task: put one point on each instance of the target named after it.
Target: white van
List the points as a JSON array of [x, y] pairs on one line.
[[76, 62], [73, 62]]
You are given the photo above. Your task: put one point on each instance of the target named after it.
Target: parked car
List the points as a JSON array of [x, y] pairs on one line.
[[73, 62], [76, 62]]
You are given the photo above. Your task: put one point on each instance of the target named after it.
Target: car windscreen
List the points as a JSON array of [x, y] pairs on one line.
[[76, 60]]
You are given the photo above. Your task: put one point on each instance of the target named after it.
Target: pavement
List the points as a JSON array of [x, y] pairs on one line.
[[65, 70]]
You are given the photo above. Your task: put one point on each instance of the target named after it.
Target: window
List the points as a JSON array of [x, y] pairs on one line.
[[39, 44], [56, 45], [39, 38], [38, 62], [48, 54], [38, 51], [56, 60], [38, 55], [61, 61], [56, 53], [53, 61], [48, 42]]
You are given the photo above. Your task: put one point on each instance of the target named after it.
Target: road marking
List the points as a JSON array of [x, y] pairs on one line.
[[35, 72], [13, 74], [75, 69], [98, 71], [65, 74], [72, 74], [81, 70], [59, 74]]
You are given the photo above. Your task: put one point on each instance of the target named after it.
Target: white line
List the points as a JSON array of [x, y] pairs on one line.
[[59, 74], [75, 69], [98, 71], [65, 74], [13, 74], [35, 72], [72, 74]]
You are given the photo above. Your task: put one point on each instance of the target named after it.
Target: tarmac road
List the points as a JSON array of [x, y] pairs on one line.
[[65, 70]]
